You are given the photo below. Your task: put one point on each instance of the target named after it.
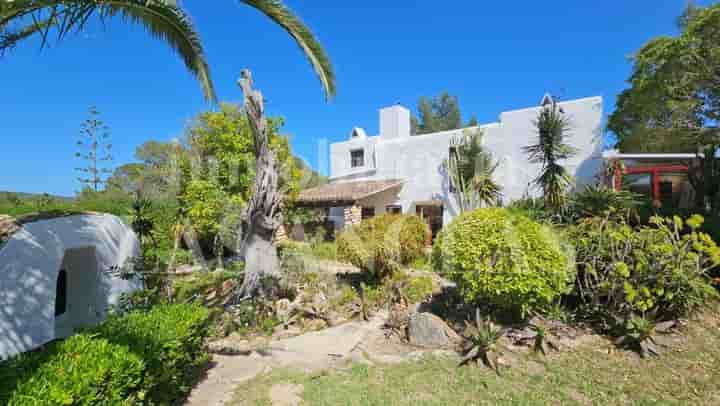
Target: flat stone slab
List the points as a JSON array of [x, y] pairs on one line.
[[227, 372], [320, 347], [312, 351]]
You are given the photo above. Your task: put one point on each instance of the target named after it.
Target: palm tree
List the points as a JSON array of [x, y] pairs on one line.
[[164, 19], [470, 168], [552, 127]]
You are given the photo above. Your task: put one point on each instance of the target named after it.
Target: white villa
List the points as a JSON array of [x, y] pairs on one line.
[[403, 173]]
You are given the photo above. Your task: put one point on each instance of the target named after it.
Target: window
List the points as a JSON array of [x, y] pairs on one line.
[[357, 158], [61, 293], [367, 212], [666, 190], [393, 209]]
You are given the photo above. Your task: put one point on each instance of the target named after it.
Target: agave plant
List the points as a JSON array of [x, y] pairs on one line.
[[482, 338], [639, 334], [164, 19], [540, 339]]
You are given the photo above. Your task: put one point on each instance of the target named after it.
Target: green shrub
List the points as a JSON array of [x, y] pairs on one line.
[[597, 200], [504, 258], [82, 370], [194, 287], [324, 250], [410, 288], [169, 338], [659, 269], [319, 250], [381, 244], [140, 300]]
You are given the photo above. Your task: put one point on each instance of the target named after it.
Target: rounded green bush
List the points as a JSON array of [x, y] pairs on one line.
[[82, 370], [381, 244], [505, 259], [169, 339]]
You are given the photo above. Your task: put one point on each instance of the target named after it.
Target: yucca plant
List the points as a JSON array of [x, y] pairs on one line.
[[470, 169], [482, 338], [164, 19], [552, 128]]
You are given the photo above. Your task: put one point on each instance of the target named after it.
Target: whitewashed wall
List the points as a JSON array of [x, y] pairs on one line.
[[418, 159], [29, 265]]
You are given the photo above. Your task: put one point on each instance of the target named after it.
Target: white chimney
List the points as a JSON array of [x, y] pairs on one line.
[[394, 122]]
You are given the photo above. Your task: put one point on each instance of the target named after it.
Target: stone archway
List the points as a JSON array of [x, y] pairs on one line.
[[77, 289]]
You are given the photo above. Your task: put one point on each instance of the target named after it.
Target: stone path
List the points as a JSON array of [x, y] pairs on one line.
[[311, 351]]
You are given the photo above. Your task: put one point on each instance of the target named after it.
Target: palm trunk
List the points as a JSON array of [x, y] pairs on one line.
[[176, 247], [262, 216]]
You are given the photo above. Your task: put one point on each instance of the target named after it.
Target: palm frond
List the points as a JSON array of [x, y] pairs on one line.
[[163, 20], [284, 17], [10, 38]]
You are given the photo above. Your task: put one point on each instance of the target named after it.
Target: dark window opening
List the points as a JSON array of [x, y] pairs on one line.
[[357, 158], [433, 217], [666, 193], [393, 209], [61, 293], [367, 212]]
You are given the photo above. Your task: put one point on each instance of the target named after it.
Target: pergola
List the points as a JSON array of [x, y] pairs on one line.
[[655, 165], [346, 194]]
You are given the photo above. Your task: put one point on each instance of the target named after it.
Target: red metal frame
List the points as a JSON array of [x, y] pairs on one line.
[[653, 170]]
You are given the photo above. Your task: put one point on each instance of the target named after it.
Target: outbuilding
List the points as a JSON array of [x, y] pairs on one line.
[[59, 273]]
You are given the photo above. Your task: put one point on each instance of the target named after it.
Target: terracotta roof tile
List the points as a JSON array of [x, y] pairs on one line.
[[346, 192]]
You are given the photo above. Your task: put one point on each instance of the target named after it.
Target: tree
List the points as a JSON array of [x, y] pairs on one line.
[[552, 127], [441, 113], [164, 19], [94, 137], [222, 152], [470, 168], [263, 214], [673, 102]]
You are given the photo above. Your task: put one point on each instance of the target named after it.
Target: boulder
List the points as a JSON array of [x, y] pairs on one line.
[[430, 331]]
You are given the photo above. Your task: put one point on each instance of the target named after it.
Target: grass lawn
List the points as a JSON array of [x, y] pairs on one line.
[[689, 374]]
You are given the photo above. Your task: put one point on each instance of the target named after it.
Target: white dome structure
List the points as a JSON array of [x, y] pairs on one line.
[[56, 276]]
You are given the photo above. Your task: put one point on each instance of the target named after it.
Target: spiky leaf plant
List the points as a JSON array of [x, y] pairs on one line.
[[471, 169], [540, 339], [552, 147], [482, 338], [639, 335]]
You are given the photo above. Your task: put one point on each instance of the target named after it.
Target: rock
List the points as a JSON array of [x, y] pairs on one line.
[[283, 308], [229, 346], [227, 287], [429, 330], [315, 325], [211, 296], [665, 327]]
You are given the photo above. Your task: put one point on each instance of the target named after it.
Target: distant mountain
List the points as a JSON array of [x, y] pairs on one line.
[[22, 195]]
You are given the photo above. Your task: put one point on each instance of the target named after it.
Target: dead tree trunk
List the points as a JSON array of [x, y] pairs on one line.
[[262, 215]]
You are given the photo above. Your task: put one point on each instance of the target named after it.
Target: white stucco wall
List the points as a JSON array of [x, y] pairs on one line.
[[418, 159], [29, 265]]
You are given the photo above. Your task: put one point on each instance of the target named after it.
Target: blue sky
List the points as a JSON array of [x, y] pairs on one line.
[[494, 55]]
